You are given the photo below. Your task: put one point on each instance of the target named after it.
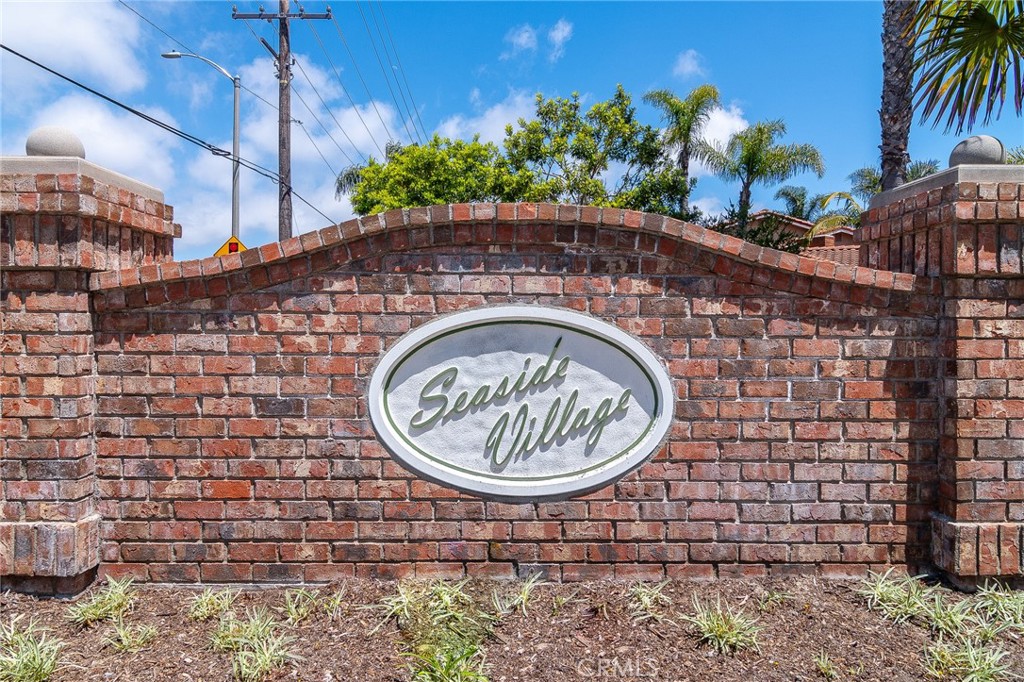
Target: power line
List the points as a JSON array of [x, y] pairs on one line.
[[340, 127], [188, 137], [361, 79], [189, 49], [337, 74], [401, 71], [139, 15], [387, 80], [334, 173], [320, 123]]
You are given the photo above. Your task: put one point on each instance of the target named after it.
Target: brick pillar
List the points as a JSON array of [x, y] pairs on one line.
[[963, 228], [62, 218]]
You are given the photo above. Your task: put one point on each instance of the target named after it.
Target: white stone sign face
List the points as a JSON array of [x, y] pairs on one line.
[[520, 403]]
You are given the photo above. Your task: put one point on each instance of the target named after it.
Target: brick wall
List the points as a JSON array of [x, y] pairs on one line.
[[823, 421]]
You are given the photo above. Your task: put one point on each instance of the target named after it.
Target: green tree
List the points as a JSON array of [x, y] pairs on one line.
[[867, 182], [685, 120], [752, 156], [799, 204], [442, 171], [603, 156], [965, 54]]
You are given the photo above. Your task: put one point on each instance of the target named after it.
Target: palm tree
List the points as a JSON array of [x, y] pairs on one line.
[[799, 204], [897, 111], [849, 214], [752, 156], [685, 120], [351, 175], [963, 52], [966, 50], [867, 182]]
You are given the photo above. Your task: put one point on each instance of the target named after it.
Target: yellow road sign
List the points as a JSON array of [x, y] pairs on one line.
[[233, 245]]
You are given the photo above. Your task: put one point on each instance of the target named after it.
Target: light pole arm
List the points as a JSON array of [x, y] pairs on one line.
[[237, 83]]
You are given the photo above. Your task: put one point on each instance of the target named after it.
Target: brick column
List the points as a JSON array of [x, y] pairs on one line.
[[62, 218], [963, 228]]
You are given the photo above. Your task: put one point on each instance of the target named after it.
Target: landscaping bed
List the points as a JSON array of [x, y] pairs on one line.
[[793, 629]]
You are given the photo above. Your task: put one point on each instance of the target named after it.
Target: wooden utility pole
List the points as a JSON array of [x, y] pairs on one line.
[[283, 57]]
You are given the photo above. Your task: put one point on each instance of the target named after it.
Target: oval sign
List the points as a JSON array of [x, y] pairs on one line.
[[520, 403]]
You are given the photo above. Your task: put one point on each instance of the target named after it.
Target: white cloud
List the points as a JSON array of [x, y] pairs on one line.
[[520, 39], [709, 205], [558, 36], [114, 139], [722, 124], [490, 124], [97, 44], [688, 63]]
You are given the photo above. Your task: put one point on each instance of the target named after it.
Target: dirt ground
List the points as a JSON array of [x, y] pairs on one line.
[[570, 632]]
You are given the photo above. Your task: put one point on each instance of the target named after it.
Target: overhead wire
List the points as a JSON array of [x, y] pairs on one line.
[[312, 113], [413, 135], [398, 61], [188, 137], [337, 75], [190, 50], [316, 91], [359, 73]]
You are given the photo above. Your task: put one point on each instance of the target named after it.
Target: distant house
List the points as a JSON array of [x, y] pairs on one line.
[[835, 244]]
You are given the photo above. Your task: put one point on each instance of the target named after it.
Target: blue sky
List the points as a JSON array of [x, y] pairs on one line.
[[470, 67]]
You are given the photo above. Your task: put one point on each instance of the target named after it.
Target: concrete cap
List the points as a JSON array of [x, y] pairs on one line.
[[54, 141], [978, 149]]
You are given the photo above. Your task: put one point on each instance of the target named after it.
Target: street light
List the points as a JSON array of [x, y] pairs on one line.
[[234, 141]]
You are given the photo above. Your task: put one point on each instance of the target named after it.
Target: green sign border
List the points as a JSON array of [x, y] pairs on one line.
[[546, 323]]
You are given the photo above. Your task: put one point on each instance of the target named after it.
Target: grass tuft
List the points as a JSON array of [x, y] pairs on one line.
[[232, 633], [966, 660], [826, 668], [211, 603], [518, 601], [111, 602], [334, 604], [772, 599], [1000, 605], [27, 654], [299, 605], [130, 638], [725, 630], [898, 599], [258, 657], [647, 602], [448, 665]]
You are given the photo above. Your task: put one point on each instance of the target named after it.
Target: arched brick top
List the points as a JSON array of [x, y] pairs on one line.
[[520, 224]]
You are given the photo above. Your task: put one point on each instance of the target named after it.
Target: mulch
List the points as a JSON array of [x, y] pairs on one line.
[[590, 636]]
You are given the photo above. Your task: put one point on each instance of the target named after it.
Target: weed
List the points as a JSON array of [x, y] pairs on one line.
[[727, 631], [985, 631], [112, 602], [210, 603], [27, 654], [465, 665], [646, 602], [899, 600], [129, 638], [299, 604], [232, 634], [1001, 605], [967, 661], [559, 602], [259, 656], [333, 604], [399, 606], [825, 666], [772, 598]]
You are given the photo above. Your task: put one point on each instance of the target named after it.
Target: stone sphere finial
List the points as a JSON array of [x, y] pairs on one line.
[[54, 141], [983, 149]]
